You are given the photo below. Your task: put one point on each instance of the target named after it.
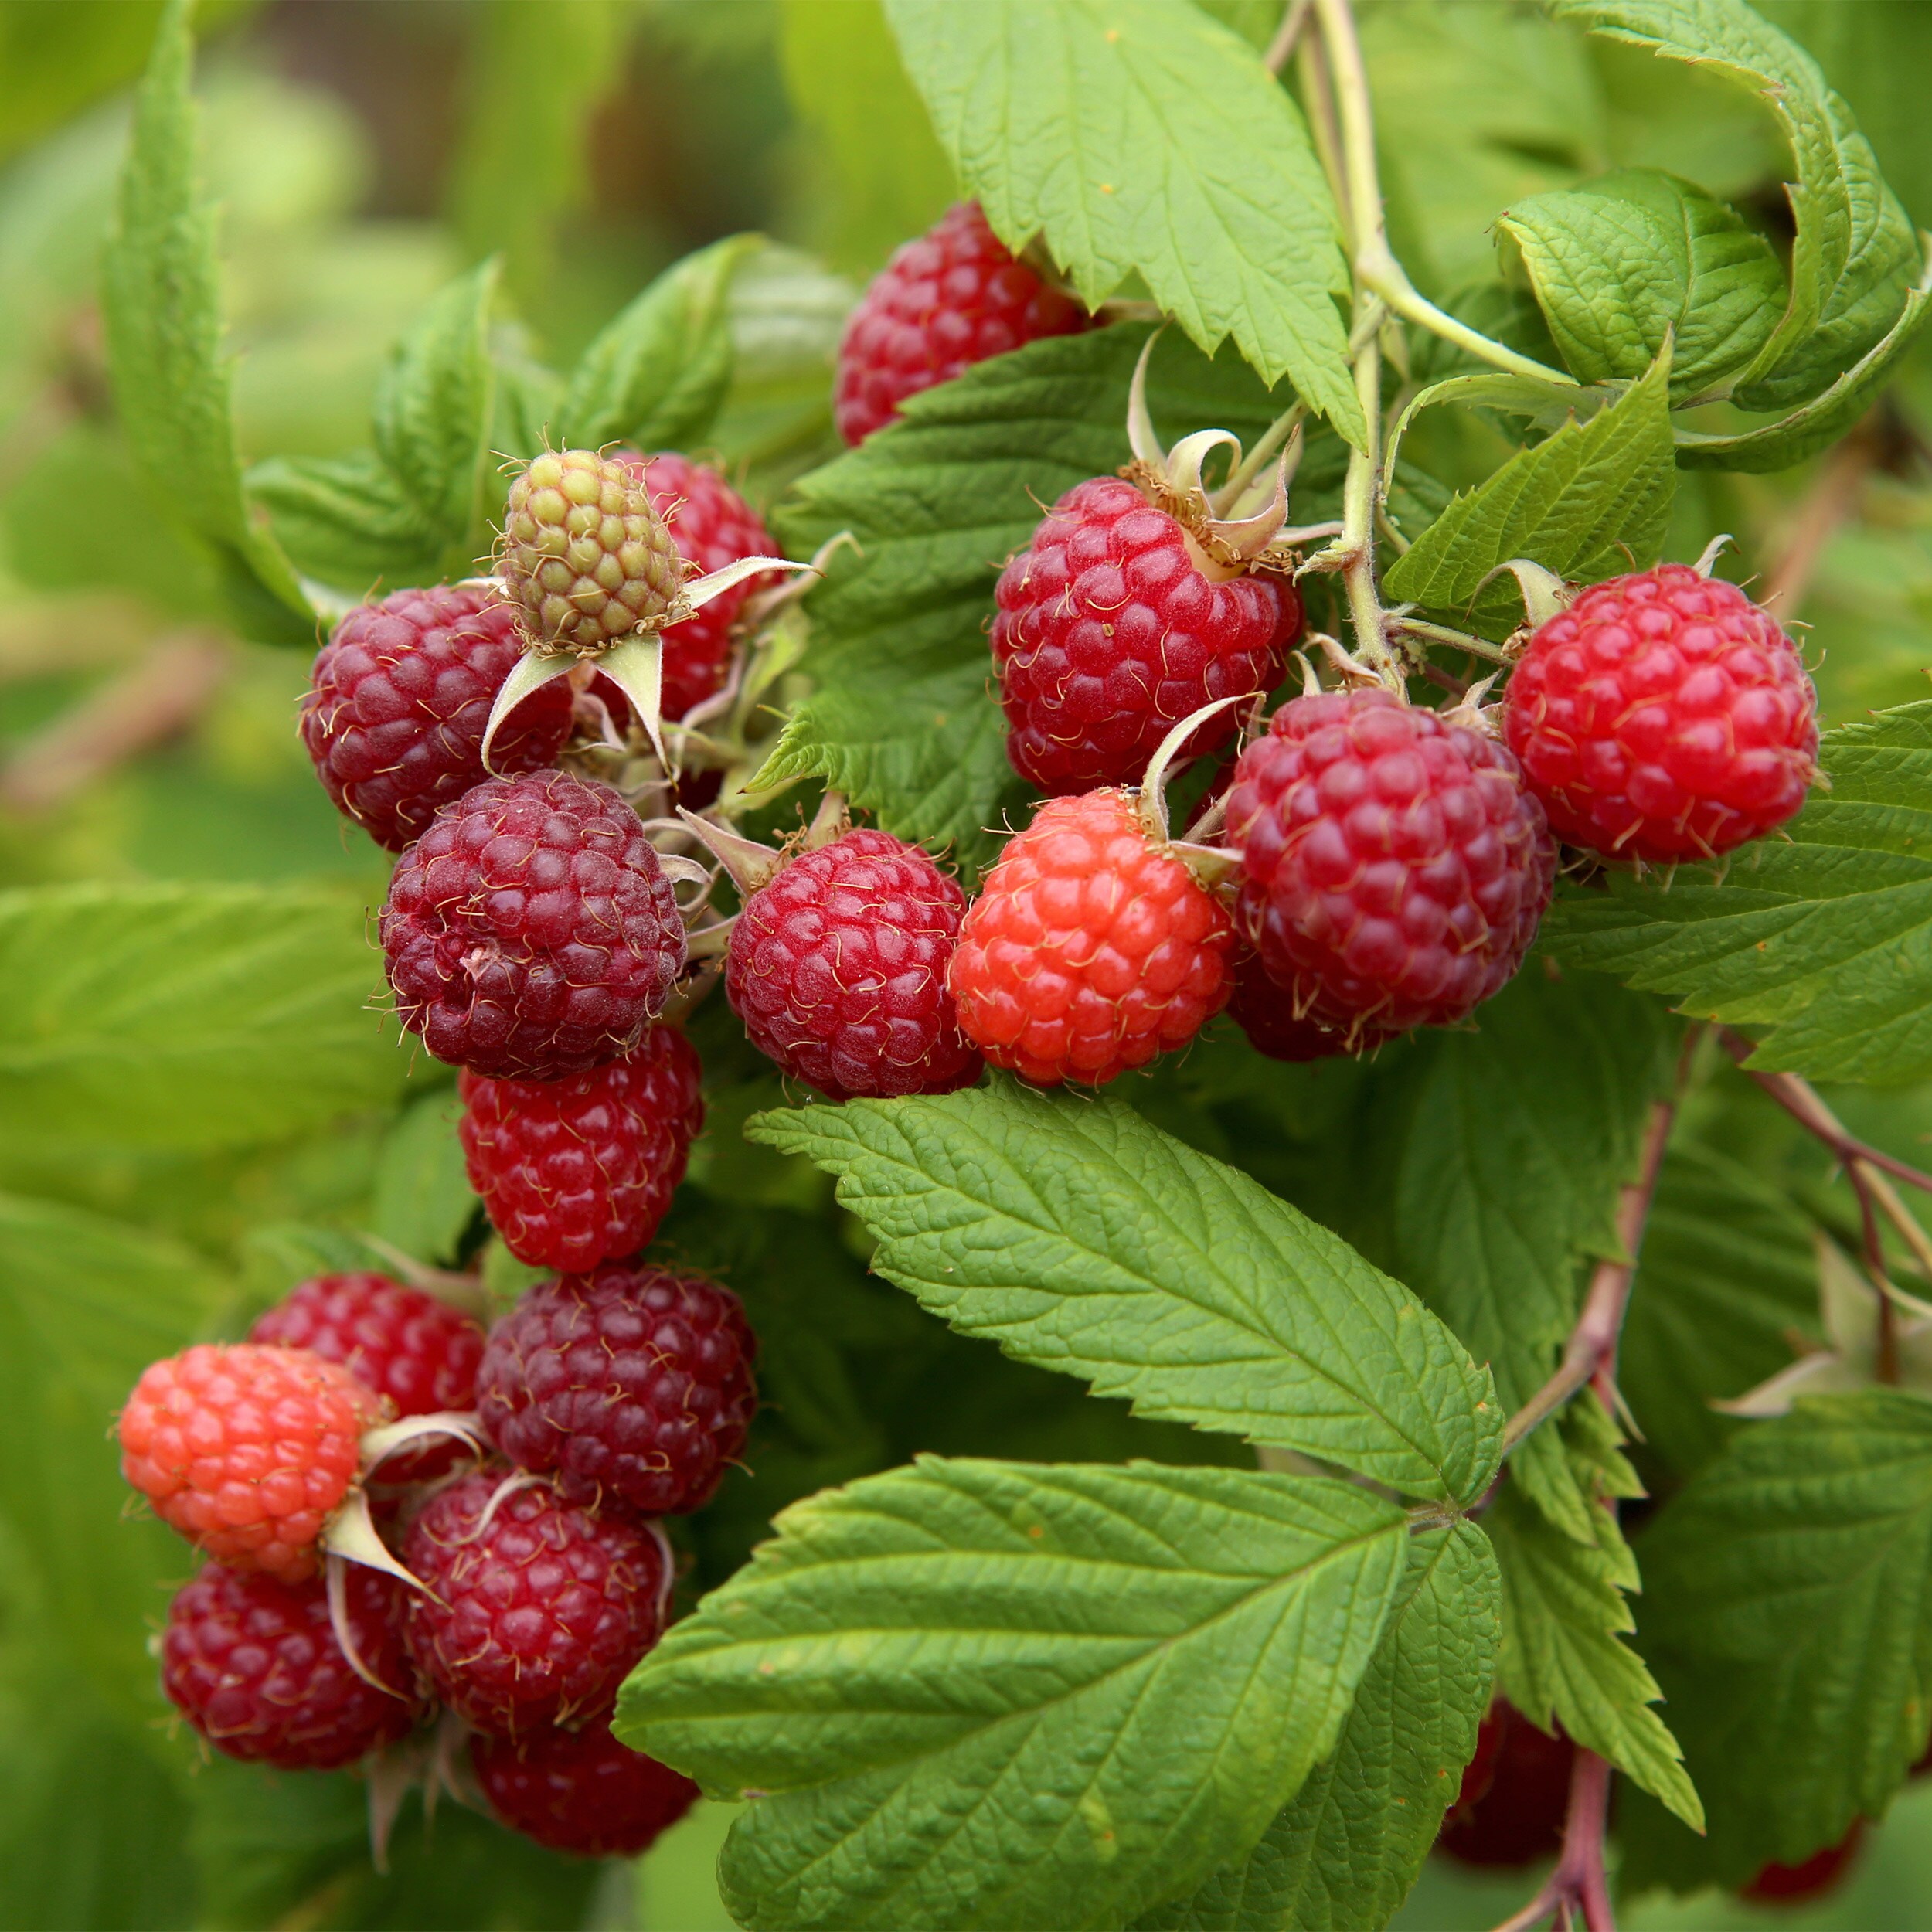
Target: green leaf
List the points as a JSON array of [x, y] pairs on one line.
[[900, 720], [1727, 1277], [1011, 1696], [1828, 416], [1855, 253], [1563, 1657], [1083, 1239], [432, 417], [1819, 936], [162, 306], [1345, 1853], [657, 375], [1141, 135], [1592, 501], [184, 1016], [1622, 263], [347, 521], [1789, 1614], [424, 1204]]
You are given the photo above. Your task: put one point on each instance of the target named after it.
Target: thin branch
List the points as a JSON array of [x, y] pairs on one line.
[[1317, 103], [1579, 1883], [1456, 640], [1799, 1099], [1281, 48], [1831, 500]]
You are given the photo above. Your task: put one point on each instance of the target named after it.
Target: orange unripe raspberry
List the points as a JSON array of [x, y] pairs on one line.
[[247, 1449], [1091, 949]]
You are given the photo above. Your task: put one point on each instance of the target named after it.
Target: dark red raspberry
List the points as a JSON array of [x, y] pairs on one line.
[[530, 932], [1266, 1014], [579, 1171], [1812, 1878], [1110, 631], [401, 693], [838, 969], [1514, 1795], [952, 299], [539, 1608], [1663, 716], [1090, 949], [1394, 868], [246, 1450], [256, 1666], [633, 1385], [581, 1791], [712, 526]]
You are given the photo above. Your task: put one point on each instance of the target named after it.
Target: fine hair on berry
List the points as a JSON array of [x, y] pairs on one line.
[[531, 933], [257, 1666], [633, 1385], [582, 1170], [838, 968], [1394, 868], [580, 1792], [534, 1610], [399, 697], [1090, 949]]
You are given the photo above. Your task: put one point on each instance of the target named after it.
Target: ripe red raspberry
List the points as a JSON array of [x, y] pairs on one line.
[[838, 969], [581, 1791], [1090, 949], [950, 299], [246, 1450], [1265, 1012], [1393, 868], [1663, 716], [633, 1385], [255, 1665], [1812, 1878], [579, 1171], [712, 526], [401, 693], [1510, 1808], [1110, 632], [531, 932], [539, 1608]]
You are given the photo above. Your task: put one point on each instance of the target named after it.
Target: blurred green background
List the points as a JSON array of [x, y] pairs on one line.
[[362, 151]]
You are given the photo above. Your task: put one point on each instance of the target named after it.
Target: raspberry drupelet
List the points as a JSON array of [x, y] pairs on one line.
[[1663, 716], [534, 1610], [838, 968], [581, 1170], [531, 933], [633, 1385], [257, 1666], [247, 1450], [581, 1791], [1265, 1013], [953, 298], [401, 695], [1393, 867], [1090, 949]]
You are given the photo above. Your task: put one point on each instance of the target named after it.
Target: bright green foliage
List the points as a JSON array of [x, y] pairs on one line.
[[1082, 1238], [1788, 1610], [422, 1202], [184, 1016], [1818, 937], [160, 302], [1592, 501], [1633, 257], [1346, 1852], [1079, 1689], [1140, 136]]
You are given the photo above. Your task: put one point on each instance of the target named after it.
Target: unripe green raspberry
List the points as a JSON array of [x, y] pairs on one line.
[[587, 559]]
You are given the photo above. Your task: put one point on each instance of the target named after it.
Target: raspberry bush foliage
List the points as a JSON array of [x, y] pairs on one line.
[[1058, 1062]]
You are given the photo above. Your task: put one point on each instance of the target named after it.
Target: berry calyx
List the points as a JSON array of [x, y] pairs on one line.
[[531, 933], [1813, 1878], [1510, 1810], [1393, 867], [1090, 949], [401, 695], [586, 556], [1663, 716], [257, 1666], [581, 1170], [836, 966], [533, 1610], [952, 298], [581, 1791], [632, 1385], [246, 1450]]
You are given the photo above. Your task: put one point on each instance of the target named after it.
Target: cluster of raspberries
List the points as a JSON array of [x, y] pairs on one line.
[[529, 1570]]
